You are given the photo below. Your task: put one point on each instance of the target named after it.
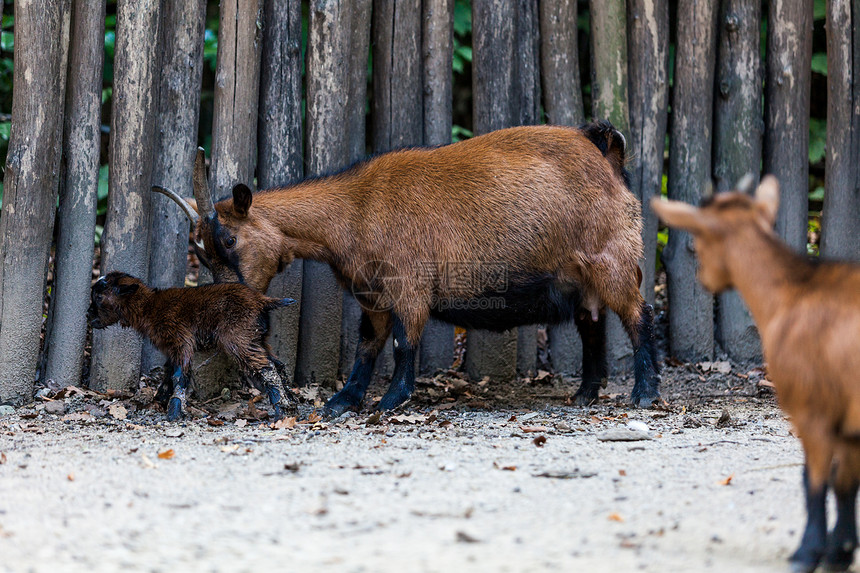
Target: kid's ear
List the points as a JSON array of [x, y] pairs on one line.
[[678, 214], [241, 200], [125, 290], [767, 198]]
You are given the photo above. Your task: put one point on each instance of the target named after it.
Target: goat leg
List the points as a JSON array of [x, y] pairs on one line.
[[165, 387], [594, 367], [646, 368], [403, 381], [176, 405], [807, 556], [842, 541]]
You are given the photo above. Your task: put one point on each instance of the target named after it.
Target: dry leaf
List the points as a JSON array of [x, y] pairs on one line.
[[622, 473], [214, 422], [539, 441], [313, 418], [408, 419], [118, 411], [615, 517], [727, 481], [70, 477], [284, 424], [2, 458], [533, 429], [373, 419], [166, 454]]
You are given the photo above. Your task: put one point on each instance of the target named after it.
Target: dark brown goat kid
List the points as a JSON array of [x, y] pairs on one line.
[[232, 317], [808, 315], [539, 218]]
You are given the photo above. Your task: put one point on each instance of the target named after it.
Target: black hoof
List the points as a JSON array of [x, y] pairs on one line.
[[174, 409], [644, 398], [838, 558], [397, 395], [340, 403], [805, 560], [587, 395]]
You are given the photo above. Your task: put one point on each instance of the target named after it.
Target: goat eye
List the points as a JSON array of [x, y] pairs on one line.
[[230, 242]]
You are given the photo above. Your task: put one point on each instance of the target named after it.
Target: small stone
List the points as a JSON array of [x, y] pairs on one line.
[[622, 435], [55, 407], [638, 426], [43, 393], [6, 410]]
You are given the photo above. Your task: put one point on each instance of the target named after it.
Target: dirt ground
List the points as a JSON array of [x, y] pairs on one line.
[[467, 477]]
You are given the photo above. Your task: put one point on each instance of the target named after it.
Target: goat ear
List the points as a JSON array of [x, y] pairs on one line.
[[241, 200], [767, 198], [125, 290], [678, 214]]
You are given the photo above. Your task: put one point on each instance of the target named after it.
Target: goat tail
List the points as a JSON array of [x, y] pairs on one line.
[[611, 143]]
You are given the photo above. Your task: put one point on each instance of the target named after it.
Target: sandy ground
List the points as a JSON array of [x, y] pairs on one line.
[[455, 482]]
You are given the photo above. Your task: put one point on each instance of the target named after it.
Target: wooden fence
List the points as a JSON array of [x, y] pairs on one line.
[[525, 69]]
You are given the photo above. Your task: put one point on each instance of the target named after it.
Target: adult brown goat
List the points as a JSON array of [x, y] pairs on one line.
[[808, 315], [232, 317], [539, 219]]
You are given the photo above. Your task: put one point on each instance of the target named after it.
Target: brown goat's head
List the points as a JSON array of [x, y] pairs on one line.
[[109, 299], [722, 216], [229, 239]]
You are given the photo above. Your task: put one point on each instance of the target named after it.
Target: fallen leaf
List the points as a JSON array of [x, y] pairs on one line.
[[229, 449], [463, 537], [765, 383], [166, 454], [373, 419], [512, 418], [615, 517], [78, 417], [2, 458], [284, 424], [313, 418], [70, 477], [118, 411], [504, 468], [292, 467], [727, 481], [214, 422], [408, 419], [539, 441], [622, 473], [533, 429]]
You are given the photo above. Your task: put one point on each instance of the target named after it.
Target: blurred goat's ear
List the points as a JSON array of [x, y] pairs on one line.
[[745, 184], [678, 214], [125, 290], [242, 197], [767, 198]]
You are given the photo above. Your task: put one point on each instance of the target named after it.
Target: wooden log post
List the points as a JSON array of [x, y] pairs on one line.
[[840, 237], [359, 49], [178, 105], [527, 78], [437, 342], [327, 72], [691, 308], [30, 188], [495, 101], [786, 111], [648, 71], [562, 100], [66, 334], [279, 148], [737, 147], [609, 101], [125, 242]]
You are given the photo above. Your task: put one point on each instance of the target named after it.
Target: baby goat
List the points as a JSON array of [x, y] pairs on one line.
[[232, 317], [537, 217], [808, 315]]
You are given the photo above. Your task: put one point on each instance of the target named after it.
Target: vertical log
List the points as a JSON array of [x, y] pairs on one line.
[[181, 73], [30, 189], [76, 218], [648, 68], [737, 146], [437, 342], [125, 242], [559, 53], [279, 145], [840, 236], [609, 101], [494, 91], [691, 309], [562, 100], [327, 150], [786, 110], [359, 48], [527, 76]]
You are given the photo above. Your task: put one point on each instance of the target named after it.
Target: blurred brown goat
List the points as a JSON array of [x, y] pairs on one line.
[[808, 315], [519, 226], [232, 317]]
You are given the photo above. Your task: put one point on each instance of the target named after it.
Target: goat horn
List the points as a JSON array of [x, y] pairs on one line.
[[189, 210], [202, 191], [746, 183], [709, 190]]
